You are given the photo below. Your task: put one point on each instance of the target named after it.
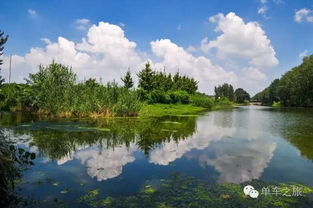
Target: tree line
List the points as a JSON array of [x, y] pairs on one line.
[[293, 89], [227, 91]]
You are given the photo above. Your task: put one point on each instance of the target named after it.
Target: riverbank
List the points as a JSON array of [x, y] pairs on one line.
[[147, 110], [156, 110], [204, 104]]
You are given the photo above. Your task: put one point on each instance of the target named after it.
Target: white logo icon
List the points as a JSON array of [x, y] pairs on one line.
[[249, 190]]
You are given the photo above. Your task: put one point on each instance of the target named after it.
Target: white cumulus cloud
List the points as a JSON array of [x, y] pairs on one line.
[[105, 53], [247, 41], [175, 58]]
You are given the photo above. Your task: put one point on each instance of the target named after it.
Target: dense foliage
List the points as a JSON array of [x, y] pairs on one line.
[[150, 80], [225, 90], [54, 90], [3, 40], [241, 95], [128, 80], [295, 88]]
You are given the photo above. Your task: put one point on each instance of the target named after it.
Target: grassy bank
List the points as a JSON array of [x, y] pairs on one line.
[[154, 110]]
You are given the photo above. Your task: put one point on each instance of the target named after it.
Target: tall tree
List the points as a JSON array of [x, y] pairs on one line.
[[146, 78], [295, 88], [3, 40], [241, 95], [51, 84], [225, 90], [128, 80]]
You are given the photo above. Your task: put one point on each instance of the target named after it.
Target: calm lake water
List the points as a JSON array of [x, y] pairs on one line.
[[121, 156]]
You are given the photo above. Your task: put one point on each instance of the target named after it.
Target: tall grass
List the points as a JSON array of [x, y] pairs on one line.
[[202, 101]]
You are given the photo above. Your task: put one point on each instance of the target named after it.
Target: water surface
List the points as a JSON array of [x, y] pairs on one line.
[[121, 156]]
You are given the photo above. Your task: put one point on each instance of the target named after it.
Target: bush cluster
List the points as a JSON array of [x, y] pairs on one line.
[[55, 90]]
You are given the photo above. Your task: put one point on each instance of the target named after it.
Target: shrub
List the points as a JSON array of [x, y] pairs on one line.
[[142, 94], [202, 101], [179, 96], [223, 102], [158, 96], [276, 104], [51, 86], [128, 104]]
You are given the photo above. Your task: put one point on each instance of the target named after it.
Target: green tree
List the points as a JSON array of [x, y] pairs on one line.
[[128, 80], [146, 78], [225, 90], [3, 40], [241, 95], [273, 91], [294, 88], [185, 83], [51, 86]]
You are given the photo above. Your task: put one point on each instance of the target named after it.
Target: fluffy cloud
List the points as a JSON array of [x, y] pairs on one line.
[[242, 40], [109, 41], [175, 58], [254, 74], [105, 52], [304, 15]]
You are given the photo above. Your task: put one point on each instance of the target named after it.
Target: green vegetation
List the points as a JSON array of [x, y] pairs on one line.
[[239, 96], [293, 89], [169, 110], [182, 191], [150, 80], [13, 160], [276, 104], [128, 80], [202, 101], [223, 103], [225, 90], [54, 91]]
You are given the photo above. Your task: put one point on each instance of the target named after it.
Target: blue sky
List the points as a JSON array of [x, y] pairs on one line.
[[184, 23]]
